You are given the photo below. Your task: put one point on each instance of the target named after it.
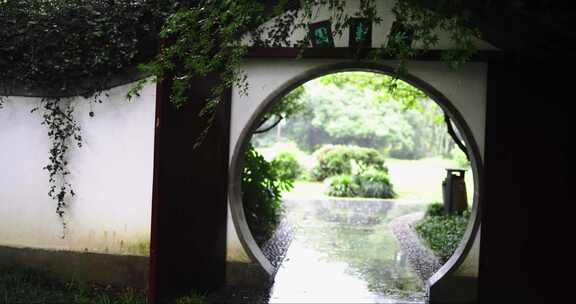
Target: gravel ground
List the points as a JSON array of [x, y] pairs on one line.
[[422, 259]]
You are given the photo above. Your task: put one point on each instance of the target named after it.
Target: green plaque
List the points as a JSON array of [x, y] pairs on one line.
[[321, 34]]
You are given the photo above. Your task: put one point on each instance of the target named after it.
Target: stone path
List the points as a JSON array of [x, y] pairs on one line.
[[422, 259], [316, 252], [275, 249]]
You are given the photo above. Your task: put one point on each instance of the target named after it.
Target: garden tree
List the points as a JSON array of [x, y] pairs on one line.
[[358, 108], [388, 89], [383, 88], [350, 115], [74, 47]]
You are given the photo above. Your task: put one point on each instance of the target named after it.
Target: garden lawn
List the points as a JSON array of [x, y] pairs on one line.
[[422, 179], [415, 180]]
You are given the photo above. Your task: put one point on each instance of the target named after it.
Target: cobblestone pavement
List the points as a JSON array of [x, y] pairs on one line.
[[422, 259], [275, 249]]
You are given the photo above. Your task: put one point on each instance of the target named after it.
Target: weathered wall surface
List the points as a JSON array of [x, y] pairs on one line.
[[111, 175], [465, 88]]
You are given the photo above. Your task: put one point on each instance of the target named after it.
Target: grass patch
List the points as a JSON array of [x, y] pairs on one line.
[[28, 286], [422, 179], [443, 233], [19, 285]]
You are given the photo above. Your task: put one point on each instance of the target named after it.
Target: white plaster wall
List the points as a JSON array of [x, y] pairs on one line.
[[465, 88], [111, 175]]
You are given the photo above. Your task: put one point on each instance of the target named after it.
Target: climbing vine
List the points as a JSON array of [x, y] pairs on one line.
[[76, 47], [62, 130]]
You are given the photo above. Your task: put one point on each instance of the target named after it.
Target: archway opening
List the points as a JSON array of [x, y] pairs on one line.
[[349, 140]]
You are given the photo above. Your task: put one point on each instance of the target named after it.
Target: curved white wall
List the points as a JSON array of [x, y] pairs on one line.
[[111, 175], [465, 88]]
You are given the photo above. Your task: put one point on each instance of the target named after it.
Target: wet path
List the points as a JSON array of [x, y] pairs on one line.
[[344, 251]]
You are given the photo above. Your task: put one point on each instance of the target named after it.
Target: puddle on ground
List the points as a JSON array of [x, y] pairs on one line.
[[345, 252]]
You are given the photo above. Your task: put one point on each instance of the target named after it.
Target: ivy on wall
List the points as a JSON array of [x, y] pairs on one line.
[[72, 48], [76, 47]]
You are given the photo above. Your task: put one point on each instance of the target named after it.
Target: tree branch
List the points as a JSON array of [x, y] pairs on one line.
[[454, 136], [258, 131]]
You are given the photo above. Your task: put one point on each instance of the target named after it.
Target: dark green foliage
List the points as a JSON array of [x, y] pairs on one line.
[[342, 186], [75, 45], [204, 40], [435, 209], [443, 233], [337, 160], [262, 187], [287, 166]]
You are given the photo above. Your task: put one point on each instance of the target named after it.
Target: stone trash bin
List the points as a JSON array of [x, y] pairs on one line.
[[454, 192]]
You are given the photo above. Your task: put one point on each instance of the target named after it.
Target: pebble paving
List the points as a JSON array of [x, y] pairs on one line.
[[422, 259], [275, 251]]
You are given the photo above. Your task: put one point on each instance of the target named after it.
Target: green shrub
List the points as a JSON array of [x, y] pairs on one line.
[[321, 152], [338, 160], [287, 166], [331, 163], [374, 183], [366, 159], [342, 186], [435, 209], [262, 187], [370, 184], [443, 233]]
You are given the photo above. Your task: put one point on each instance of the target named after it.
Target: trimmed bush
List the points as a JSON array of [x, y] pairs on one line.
[[370, 184], [346, 160], [443, 233], [331, 163], [287, 166], [367, 159], [374, 183], [342, 186]]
